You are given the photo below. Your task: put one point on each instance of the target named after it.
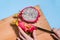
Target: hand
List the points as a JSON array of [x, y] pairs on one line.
[[8, 33], [24, 36], [57, 32]]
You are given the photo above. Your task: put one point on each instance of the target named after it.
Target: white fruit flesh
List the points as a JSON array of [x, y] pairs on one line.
[[30, 14]]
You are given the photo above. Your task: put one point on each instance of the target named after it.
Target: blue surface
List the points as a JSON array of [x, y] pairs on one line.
[[50, 8]]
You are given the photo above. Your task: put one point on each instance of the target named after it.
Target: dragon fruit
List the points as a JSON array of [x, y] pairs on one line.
[[26, 27], [30, 14]]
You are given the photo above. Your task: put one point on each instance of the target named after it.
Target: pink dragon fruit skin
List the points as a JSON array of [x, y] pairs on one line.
[[32, 28], [35, 20], [21, 24]]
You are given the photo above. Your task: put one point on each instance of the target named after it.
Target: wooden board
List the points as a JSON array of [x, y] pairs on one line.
[[42, 22]]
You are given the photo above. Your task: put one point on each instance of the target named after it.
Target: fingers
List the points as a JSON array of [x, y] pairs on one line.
[[21, 36], [34, 35], [57, 32], [54, 36], [18, 39], [24, 34]]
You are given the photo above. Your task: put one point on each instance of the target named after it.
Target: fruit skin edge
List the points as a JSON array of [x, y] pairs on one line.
[[20, 15], [31, 29], [22, 25]]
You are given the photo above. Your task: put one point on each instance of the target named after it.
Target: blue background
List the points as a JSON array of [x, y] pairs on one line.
[[50, 8]]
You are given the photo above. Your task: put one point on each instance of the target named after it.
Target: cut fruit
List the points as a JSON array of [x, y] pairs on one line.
[[30, 14], [26, 27]]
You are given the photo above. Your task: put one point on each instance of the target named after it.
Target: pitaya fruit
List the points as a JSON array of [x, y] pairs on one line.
[[30, 14], [32, 28], [26, 27]]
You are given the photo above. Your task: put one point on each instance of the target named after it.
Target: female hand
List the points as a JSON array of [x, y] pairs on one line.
[[57, 32], [24, 36], [7, 32]]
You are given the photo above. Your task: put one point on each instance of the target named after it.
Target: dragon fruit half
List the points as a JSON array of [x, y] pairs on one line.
[[26, 27], [30, 14]]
